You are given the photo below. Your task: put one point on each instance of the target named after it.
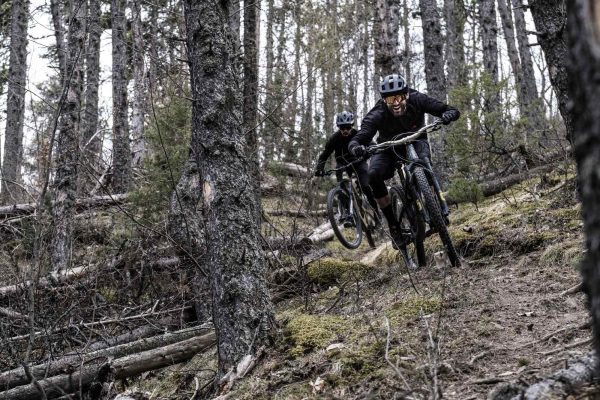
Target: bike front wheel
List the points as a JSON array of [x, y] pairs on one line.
[[436, 220], [346, 226]]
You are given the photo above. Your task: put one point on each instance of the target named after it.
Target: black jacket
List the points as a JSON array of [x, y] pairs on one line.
[[338, 144], [381, 120]]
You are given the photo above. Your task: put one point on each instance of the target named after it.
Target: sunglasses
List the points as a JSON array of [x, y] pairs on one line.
[[396, 98], [345, 127]]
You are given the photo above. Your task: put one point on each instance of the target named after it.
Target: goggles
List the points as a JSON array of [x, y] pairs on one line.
[[345, 127], [389, 100]]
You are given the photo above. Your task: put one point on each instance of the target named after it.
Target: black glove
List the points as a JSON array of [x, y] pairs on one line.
[[319, 172], [358, 151], [449, 116]]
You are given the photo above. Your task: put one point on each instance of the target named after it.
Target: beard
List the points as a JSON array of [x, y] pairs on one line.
[[398, 110]]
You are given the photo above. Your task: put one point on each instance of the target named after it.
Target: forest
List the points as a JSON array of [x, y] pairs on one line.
[[174, 223]]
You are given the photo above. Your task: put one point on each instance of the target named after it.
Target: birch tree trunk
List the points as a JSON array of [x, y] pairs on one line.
[[15, 104], [91, 139], [584, 67], [407, 45], [242, 310], [489, 34], [121, 150], [65, 179], [138, 144], [550, 22], [388, 59]]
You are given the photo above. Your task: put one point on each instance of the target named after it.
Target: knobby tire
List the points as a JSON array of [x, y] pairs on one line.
[[331, 215], [435, 215]]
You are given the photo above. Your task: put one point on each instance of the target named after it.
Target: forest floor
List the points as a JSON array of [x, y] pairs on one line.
[[361, 325]]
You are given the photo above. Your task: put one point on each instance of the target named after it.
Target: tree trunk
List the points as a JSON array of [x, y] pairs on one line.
[[186, 228], [513, 54], [15, 111], [433, 44], [534, 112], [138, 144], [121, 150], [242, 310], [91, 137], [455, 15], [407, 45], [584, 67], [388, 59], [65, 179], [489, 33], [59, 29], [550, 22]]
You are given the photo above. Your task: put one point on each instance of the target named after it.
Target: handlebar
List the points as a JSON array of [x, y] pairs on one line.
[[377, 148], [343, 167]]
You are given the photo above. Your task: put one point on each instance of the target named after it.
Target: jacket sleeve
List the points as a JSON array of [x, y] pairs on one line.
[[433, 106], [368, 128], [329, 148]]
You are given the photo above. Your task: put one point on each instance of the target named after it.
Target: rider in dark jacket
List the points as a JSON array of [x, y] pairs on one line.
[[400, 110], [338, 144]]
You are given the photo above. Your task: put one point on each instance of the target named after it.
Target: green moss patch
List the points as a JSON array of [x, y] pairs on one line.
[[311, 332], [412, 307], [328, 271]]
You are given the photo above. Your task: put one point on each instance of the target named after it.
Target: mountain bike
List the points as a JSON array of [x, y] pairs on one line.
[[417, 201], [350, 213]]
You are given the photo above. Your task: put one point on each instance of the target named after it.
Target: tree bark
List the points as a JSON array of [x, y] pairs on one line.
[[584, 69], [91, 138], [433, 45], [534, 111], [242, 310], [65, 180], [550, 22], [138, 145], [455, 15], [388, 60], [59, 29], [121, 159], [489, 34], [15, 111], [513, 54]]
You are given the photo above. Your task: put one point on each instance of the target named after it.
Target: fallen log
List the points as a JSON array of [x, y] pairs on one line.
[[7, 312], [496, 186], [291, 169], [121, 368], [296, 214], [80, 204], [579, 374]]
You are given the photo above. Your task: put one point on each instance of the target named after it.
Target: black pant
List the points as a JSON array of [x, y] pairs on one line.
[[382, 165]]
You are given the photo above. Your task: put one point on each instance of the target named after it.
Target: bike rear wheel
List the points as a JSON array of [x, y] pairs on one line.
[[346, 226], [436, 220], [412, 223]]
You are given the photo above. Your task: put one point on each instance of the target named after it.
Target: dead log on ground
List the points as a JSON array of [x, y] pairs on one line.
[[295, 214], [579, 374], [80, 204], [120, 368], [496, 186], [171, 345], [291, 169]]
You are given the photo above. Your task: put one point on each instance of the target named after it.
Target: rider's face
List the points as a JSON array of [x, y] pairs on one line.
[[345, 130], [397, 103]]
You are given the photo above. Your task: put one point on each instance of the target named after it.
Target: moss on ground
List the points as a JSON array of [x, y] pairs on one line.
[[412, 307], [312, 332], [328, 271]]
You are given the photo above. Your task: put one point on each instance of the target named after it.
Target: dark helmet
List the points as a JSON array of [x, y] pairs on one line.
[[392, 84], [344, 118]]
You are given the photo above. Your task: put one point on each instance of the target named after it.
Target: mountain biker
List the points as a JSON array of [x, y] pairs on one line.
[[338, 143], [400, 110]]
